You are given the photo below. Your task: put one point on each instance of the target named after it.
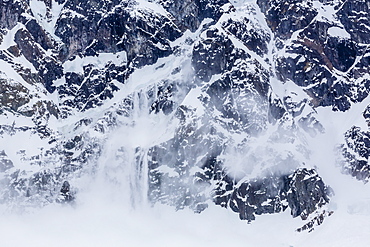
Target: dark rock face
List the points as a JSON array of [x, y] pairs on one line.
[[66, 195], [48, 69], [5, 163], [342, 53], [316, 53], [39, 35], [11, 95], [189, 14], [237, 98], [355, 17], [313, 68], [286, 17], [11, 13], [307, 192], [211, 56], [252, 36], [92, 88], [303, 191], [356, 152], [145, 38]]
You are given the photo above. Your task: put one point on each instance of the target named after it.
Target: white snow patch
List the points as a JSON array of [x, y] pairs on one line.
[[8, 39], [339, 32], [77, 64], [47, 18], [169, 171], [148, 5], [326, 12]]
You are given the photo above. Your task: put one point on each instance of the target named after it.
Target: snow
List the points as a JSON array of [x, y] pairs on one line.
[[192, 100], [47, 18], [326, 12], [104, 214], [8, 39], [339, 32], [76, 65], [22, 141], [152, 6], [169, 171], [247, 10], [7, 72], [108, 223], [99, 225]]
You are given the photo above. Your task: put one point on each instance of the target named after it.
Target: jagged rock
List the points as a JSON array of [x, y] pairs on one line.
[[212, 55], [354, 15], [39, 35], [13, 95], [356, 152], [165, 101], [92, 88], [260, 196], [286, 17], [48, 68], [66, 195], [252, 36], [316, 221], [306, 192], [189, 14], [303, 192], [341, 52], [10, 14], [5, 162]]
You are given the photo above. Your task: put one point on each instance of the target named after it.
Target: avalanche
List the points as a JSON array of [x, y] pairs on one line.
[[184, 123]]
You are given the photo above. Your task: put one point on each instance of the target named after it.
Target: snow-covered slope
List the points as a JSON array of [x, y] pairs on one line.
[[116, 110]]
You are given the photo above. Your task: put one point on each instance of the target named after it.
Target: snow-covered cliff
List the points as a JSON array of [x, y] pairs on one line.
[[258, 106]]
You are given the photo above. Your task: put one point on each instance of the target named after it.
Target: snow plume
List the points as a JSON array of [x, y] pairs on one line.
[[225, 132], [276, 148], [144, 117], [255, 159]]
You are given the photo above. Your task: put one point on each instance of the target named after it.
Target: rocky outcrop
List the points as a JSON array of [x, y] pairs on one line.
[[356, 152], [286, 17], [66, 195], [5, 162], [189, 14], [321, 48], [303, 192]]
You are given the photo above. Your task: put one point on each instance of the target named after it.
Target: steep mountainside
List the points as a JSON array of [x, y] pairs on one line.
[[185, 103]]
